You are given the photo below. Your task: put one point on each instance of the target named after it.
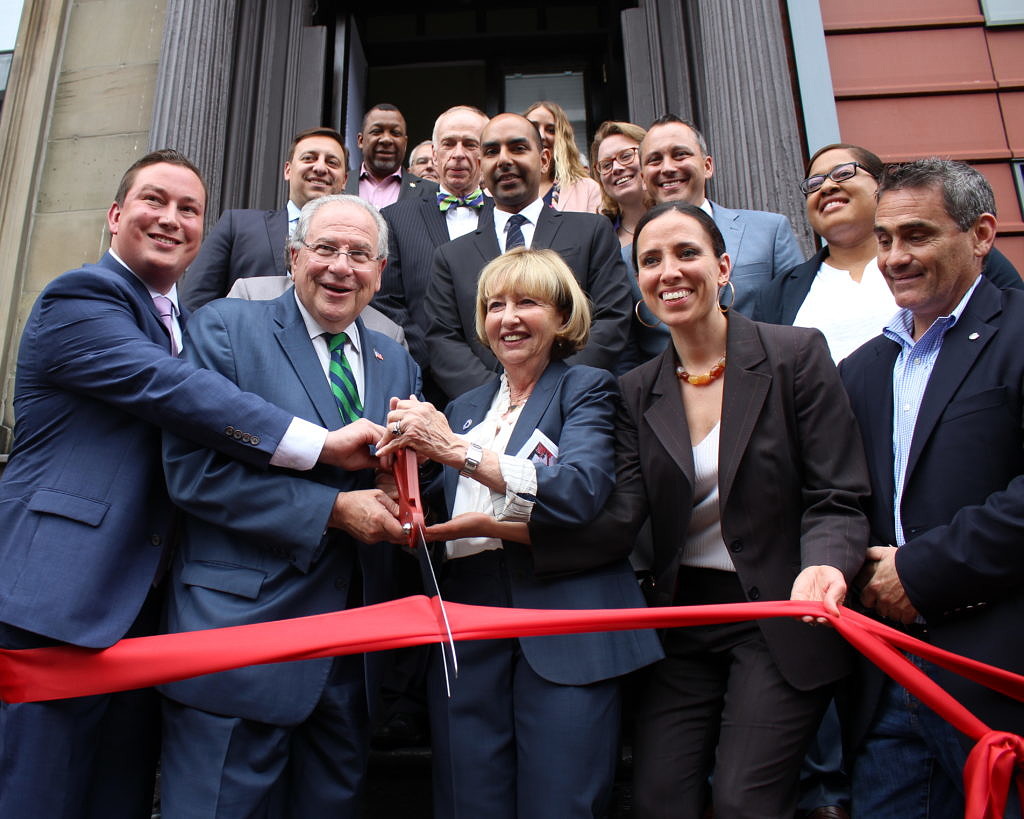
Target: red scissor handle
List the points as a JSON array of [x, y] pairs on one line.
[[410, 507]]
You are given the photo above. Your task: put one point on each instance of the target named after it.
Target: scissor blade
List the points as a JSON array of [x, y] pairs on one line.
[[430, 579]]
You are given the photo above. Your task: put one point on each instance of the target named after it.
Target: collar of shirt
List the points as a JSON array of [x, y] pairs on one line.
[[460, 221], [352, 348], [293, 215], [380, 193], [531, 212], [901, 328], [172, 294], [706, 207]]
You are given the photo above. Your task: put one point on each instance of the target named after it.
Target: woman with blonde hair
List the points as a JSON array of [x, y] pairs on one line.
[[615, 165], [567, 186]]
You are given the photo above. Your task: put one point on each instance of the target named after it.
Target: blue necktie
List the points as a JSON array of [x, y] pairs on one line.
[[514, 231], [343, 383]]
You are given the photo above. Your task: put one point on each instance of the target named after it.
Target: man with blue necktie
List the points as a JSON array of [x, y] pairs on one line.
[[289, 739]]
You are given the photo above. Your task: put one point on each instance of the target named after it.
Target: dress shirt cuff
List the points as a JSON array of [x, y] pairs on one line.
[[516, 505], [300, 446]]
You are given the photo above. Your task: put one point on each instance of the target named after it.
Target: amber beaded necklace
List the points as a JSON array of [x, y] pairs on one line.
[[701, 380]]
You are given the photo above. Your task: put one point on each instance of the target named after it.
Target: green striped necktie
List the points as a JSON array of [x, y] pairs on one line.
[[343, 383]]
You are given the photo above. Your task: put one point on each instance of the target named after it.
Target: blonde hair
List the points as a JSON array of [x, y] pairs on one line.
[[609, 207], [540, 274], [568, 165]]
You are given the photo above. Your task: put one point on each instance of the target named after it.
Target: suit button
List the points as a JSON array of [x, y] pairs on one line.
[[237, 435], [255, 440], [754, 593], [736, 546], [246, 437], [229, 430], [155, 539]]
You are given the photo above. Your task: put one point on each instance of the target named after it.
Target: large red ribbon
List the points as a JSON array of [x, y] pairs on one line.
[[57, 672]]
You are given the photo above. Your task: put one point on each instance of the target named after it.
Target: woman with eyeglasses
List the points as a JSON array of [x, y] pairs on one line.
[[840, 290], [566, 186], [615, 164]]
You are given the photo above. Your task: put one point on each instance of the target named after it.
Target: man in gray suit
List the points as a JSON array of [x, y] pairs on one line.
[[246, 243], [676, 165]]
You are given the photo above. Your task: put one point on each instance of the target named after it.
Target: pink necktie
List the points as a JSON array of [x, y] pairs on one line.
[[166, 310]]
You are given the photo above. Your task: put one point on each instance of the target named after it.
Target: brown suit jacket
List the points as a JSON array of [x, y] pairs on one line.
[[792, 481]]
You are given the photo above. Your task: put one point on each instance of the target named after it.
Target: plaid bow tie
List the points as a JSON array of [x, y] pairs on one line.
[[447, 200]]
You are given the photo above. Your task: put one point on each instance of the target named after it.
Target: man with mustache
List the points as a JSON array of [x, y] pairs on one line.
[[382, 180], [512, 160]]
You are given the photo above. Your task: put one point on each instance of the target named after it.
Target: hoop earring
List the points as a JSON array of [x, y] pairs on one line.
[[732, 301], [636, 311]]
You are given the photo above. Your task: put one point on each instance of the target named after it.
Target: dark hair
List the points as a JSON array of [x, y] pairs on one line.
[[872, 162], [166, 156], [966, 194], [323, 131], [380, 106], [686, 209], [675, 119], [538, 140]]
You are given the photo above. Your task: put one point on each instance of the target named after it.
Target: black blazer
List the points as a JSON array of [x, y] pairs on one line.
[[588, 245], [412, 185], [780, 300], [963, 503], [416, 228], [791, 474]]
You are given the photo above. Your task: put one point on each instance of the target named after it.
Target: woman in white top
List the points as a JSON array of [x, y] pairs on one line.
[[565, 185], [738, 443], [531, 727]]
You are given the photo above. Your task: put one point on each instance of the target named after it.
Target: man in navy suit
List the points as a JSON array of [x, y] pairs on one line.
[[381, 179], [84, 509], [939, 397], [676, 166], [417, 227], [247, 243], [288, 739], [513, 158]]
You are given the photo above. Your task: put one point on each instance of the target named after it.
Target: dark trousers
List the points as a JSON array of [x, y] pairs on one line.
[[718, 702]]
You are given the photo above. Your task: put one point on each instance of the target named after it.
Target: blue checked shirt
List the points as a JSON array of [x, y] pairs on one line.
[[910, 376]]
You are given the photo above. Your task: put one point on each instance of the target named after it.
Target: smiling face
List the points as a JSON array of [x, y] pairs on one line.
[[622, 183], [421, 162], [521, 329], [457, 150], [159, 226], [383, 142], [674, 167], [544, 121], [511, 161], [842, 213], [927, 261], [331, 290], [316, 168], [678, 272]]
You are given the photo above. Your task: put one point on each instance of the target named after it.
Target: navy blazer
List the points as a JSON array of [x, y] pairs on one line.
[[575, 408], [253, 545], [761, 246], [780, 301], [962, 565], [243, 243], [587, 244], [791, 475], [416, 228], [83, 505]]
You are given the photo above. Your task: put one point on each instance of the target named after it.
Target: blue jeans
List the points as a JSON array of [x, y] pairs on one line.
[[910, 765]]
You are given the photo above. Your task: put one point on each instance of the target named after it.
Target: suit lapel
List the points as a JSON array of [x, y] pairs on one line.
[[485, 240], [376, 384], [744, 392], [277, 235], [536, 407], [294, 339], [876, 419], [435, 221], [667, 418], [729, 224], [547, 226], [956, 359], [157, 332]]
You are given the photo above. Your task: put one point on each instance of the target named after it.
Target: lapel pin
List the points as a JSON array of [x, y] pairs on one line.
[[468, 424], [378, 356], [974, 336]]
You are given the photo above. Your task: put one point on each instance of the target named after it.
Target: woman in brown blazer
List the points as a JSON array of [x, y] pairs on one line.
[[740, 446]]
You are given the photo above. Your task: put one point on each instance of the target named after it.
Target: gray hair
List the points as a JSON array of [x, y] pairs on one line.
[[966, 194], [313, 205]]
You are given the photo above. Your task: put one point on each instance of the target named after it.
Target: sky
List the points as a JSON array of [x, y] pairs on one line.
[[10, 15]]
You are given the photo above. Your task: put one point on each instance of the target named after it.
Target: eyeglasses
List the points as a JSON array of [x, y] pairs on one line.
[[624, 157], [840, 173], [356, 258]]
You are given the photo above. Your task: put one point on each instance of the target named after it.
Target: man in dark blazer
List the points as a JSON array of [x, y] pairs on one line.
[[268, 546], [418, 226], [381, 179], [939, 400], [247, 243], [676, 166], [86, 518], [513, 158]]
